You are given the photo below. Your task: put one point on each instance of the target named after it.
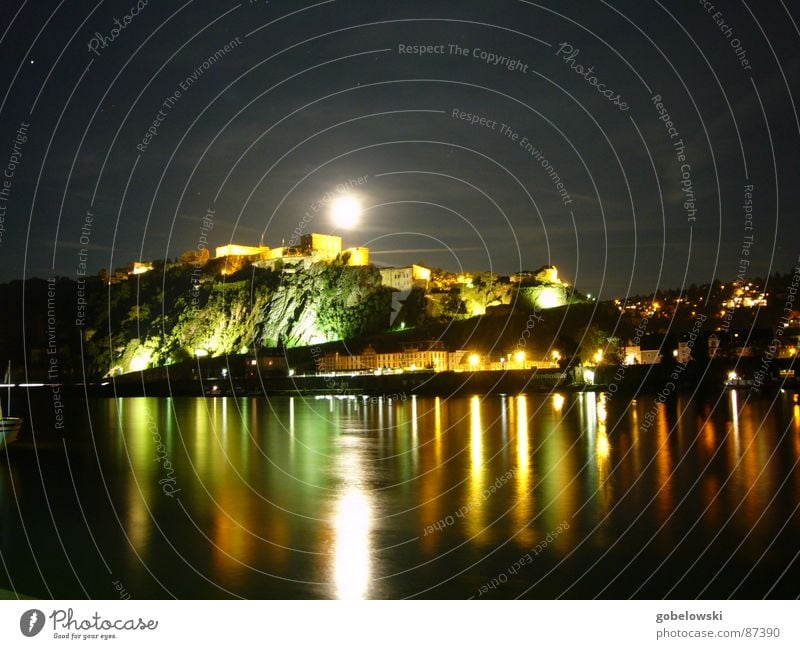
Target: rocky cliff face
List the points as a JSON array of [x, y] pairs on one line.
[[300, 306], [325, 302]]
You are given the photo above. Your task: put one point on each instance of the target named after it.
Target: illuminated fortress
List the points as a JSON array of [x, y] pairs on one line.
[[313, 248]]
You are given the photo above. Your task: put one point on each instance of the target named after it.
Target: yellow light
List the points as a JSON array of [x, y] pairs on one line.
[[558, 402], [519, 357], [602, 413], [550, 298], [141, 361], [140, 267], [603, 447], [556, 356], [598, 356], [732, 376], [345, 212], [477, 310], [474, 360]]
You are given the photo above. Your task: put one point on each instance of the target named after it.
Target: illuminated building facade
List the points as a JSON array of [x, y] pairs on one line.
[[428, 355], [313, 248], [545, 275], [406, 278], [635, 355], [236, 250]]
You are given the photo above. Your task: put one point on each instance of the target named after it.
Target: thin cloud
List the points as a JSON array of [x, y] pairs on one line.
[[420, 250]]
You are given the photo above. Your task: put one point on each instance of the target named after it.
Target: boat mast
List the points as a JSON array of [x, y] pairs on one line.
[[8, 383]]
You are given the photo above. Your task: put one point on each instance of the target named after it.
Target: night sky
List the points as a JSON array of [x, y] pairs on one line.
[[311, 95]]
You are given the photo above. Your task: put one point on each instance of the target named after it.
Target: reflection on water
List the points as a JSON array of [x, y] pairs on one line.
[[352, 545], [355, 498]]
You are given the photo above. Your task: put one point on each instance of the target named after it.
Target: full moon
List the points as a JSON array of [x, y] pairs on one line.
[[345, 211]]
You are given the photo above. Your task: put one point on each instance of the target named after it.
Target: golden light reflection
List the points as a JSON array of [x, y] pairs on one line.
[[414, 435], [796, 421], [603, 447], [664, 462], [752, 465], [709, 435], [140, 425], [475, 436], [603, 453], [352, 551], [476, 473], [205, 412], [524, 508], [437, 429], [523, 452], [558, 402], [602, 412]]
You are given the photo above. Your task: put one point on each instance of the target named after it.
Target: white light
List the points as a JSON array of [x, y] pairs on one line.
[[352, 527], [345, 212]]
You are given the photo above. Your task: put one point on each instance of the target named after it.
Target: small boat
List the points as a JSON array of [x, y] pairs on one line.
[[9, 426]]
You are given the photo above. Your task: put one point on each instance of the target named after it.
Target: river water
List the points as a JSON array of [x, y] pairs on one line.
[[540, 496]]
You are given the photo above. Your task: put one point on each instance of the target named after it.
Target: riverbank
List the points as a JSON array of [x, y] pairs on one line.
[[217, 378]]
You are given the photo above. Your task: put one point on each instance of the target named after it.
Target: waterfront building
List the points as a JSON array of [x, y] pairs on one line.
[[425, 355], [635, 355]]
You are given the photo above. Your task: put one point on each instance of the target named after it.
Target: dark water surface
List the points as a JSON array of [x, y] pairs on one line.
[[573, 495]]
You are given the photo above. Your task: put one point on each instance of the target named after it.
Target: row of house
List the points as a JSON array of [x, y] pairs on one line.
[[426, 355], [726, 345], [416, 356]]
